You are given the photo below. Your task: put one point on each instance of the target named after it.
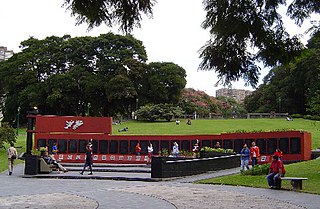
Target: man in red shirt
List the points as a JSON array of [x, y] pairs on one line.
[[254, 154], [276, 171]]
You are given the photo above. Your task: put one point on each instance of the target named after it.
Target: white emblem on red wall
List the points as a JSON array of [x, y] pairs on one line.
[[73, 124]]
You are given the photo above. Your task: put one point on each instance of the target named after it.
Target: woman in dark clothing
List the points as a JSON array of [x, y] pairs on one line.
[[88, 161]]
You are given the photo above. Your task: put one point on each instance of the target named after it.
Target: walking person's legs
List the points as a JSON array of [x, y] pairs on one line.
[[84, 168], [246, 163], [242, 165], [253, 161], [10, 166]]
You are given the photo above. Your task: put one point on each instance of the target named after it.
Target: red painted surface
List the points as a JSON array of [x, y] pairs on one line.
[[55, 127], [73, 124]]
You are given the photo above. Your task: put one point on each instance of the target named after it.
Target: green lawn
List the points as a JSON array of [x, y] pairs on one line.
[[309, 169], [220, 126]]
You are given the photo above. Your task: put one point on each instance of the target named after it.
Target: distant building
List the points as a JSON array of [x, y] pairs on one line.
[[5, 53], [237, 94]]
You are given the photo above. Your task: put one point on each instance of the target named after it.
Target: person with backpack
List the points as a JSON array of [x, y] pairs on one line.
[[12, 155]]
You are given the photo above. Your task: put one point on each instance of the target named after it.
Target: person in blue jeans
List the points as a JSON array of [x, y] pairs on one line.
[[276, 171], [245, 155]]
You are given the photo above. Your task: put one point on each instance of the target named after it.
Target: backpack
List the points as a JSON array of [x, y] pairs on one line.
[[13, 154]]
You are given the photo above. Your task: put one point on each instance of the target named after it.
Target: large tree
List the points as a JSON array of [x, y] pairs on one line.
[[99, 76], [243, 31], [163, 82], [67, 76], [293, 88]]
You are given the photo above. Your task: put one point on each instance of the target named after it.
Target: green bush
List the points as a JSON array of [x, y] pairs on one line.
[[257, 170], [297, 116], [7, 134], [220, 150]]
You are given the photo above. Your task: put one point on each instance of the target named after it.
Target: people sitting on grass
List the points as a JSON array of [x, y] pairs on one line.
[[177, 122], [276, 171], [289, 118], [188, 122], [123, 130], [52, 161]]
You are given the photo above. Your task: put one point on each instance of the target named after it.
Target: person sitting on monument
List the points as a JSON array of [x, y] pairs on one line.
[[276, 171], [51, 161]]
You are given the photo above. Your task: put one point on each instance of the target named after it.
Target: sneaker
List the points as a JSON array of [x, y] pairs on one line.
[[90, 173], [81, 173], [10, 173]]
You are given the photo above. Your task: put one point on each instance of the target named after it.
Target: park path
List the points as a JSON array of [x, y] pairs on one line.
[[18, 192]]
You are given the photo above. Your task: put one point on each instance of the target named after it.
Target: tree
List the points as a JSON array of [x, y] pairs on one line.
[[67, 76], [198, 101], [243, 31], [292, 88], [163, 82], [103, 76], [126, 13], [7, 135], [158, 111]]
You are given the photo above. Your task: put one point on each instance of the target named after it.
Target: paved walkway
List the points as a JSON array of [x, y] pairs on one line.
[[17, 193]]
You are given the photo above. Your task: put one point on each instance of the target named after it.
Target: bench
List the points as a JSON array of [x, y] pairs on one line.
[[45, 168], [296, 182]]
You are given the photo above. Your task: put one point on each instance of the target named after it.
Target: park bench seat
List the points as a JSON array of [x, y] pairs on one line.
[[296, 182], [46, 168]]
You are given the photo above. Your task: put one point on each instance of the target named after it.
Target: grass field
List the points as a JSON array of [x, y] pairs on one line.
[[219, 126]]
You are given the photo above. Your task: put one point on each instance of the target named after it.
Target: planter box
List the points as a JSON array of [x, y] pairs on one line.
[[214, 154], [162, 167], [31, 165]]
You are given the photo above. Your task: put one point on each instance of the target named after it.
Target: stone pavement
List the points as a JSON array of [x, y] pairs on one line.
[[17, 193]]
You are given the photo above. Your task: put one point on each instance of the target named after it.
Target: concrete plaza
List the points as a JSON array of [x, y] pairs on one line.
[[18, 192]]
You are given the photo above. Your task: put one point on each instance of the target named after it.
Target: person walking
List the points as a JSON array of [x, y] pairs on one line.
[[12, 155], [88, 161], [245, 155], [150, 153], [254, 154], [175, 150]]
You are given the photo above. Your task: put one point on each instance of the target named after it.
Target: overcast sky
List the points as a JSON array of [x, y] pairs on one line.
[[173, 35]]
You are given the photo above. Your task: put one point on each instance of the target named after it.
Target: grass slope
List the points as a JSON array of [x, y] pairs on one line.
[[220, 126]]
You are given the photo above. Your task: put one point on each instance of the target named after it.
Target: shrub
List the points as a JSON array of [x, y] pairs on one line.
[[257, 170], [220, 150]]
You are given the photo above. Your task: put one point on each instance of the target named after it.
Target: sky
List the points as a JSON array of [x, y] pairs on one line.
[[174, 34]]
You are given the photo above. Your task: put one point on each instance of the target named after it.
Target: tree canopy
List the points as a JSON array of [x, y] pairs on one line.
[[96, 76], [244, 32], [294, 88]]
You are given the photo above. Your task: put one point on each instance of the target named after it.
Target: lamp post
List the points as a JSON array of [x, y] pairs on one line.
[[18, 116], [279, 104], [31, 115], [89, 105]]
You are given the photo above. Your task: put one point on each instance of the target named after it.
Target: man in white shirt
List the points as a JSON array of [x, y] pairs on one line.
[[12, 155]]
